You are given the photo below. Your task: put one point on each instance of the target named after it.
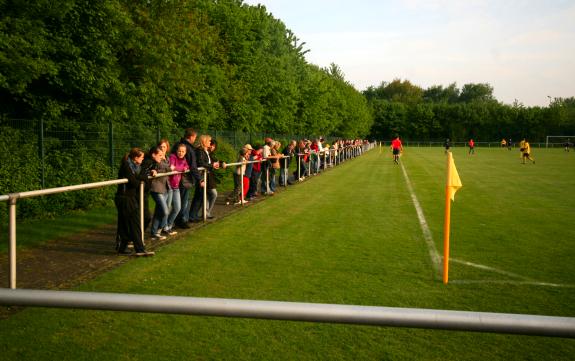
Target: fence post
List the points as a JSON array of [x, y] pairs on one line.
[[111, 145], [206, 194], [241, 182], [12, 234], [41, 154], [267, 178], [142, 210], [298, 167]]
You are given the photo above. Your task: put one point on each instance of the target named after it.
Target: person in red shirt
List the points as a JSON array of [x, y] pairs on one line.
[[471, 145], [396, 148]]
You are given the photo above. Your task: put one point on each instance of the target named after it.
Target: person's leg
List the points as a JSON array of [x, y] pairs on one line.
[[272, 179], [176, 206], [133, 227], [212, 196], [184, 214], [253, 181], [197, 202], [122, 232], [157, 197], [246, 181], [165, 211], [282, 177]]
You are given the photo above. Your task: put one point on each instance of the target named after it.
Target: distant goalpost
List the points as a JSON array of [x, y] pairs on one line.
[[562, 140]]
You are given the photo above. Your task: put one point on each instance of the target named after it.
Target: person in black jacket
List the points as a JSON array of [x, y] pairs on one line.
[[204, 160], [288, 152], [127, 203], [192, 177]]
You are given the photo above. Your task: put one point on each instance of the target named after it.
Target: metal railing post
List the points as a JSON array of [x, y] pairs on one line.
[[267, 178], [111, 145], [12, 234], [42, 155], [142, 210], [298, 167], [206, 194], [242, 184]]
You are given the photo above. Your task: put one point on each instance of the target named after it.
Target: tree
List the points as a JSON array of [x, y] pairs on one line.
[[476, 92]]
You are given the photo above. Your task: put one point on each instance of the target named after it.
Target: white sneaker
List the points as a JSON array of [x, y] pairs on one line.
[[170, 232], [158, 237]]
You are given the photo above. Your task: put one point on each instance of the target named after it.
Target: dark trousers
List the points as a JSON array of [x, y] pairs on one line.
[[128, 224], [253, 184], [197, 203]]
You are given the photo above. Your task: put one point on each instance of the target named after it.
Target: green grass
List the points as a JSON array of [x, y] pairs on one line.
[[349, 236], [34, 232]]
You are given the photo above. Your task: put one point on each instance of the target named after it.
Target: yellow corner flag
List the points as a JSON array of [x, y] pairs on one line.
[[452, 186], [453, 181]]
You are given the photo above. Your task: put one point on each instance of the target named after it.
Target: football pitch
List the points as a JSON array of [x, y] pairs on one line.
[[368, 232]]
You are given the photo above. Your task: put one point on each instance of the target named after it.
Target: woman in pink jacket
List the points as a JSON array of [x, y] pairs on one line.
[[180, 164]]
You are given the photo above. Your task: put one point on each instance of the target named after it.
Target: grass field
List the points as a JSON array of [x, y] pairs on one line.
[[349, 236]]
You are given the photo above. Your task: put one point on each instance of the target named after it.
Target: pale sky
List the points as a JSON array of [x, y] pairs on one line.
[[525, 49]]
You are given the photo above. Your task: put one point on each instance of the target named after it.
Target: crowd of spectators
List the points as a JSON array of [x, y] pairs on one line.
[[179, 194]]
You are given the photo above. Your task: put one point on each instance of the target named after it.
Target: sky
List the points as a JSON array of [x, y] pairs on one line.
[[525, 49]]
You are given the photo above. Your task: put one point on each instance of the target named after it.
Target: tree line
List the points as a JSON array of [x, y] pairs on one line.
[[89, 72], [438, 112], [80, 65], [210, 64]]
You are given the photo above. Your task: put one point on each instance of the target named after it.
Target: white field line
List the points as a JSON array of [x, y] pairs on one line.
[[512, 282], [487, 268], [436, 259], [433, 254]]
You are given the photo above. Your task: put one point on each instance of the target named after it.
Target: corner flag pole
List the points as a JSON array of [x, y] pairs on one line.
[[452, 185], [446, 224]]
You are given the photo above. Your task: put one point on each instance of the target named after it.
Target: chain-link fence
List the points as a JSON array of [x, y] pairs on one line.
[[107, 143]]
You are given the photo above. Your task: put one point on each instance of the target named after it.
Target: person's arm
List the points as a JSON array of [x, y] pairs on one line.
[[126, 172]]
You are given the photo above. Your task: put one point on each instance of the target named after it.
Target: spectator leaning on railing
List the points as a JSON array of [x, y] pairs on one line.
[[159, 191], [179, 163], [287, 153], [193, 177], [237, 197], [212, 192], [256, 156], [127, 204]]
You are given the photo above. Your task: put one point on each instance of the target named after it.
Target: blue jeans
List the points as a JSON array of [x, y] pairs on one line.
[[184, 215], [283, 179], [264, 184], [176, 206], [161, 212], [212, 196], [272, 179]]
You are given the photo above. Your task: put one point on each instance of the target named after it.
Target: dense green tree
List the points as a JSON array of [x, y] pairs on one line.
[[476, 92], [472, 112]]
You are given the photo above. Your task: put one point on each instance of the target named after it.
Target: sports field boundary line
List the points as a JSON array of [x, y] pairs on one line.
[[433, 254], [492, 269], [512, 282], [437, 259]]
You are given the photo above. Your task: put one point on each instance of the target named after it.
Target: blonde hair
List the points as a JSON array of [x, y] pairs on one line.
[[205, 140]]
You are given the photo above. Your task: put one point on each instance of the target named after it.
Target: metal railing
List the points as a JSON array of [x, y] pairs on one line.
[[272, 310], [294, 311], [13, 197]]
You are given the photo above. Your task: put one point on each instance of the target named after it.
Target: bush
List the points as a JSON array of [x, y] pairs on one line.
[[61, 168]]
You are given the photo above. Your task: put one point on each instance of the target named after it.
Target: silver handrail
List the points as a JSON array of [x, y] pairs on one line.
[[520, 324]]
